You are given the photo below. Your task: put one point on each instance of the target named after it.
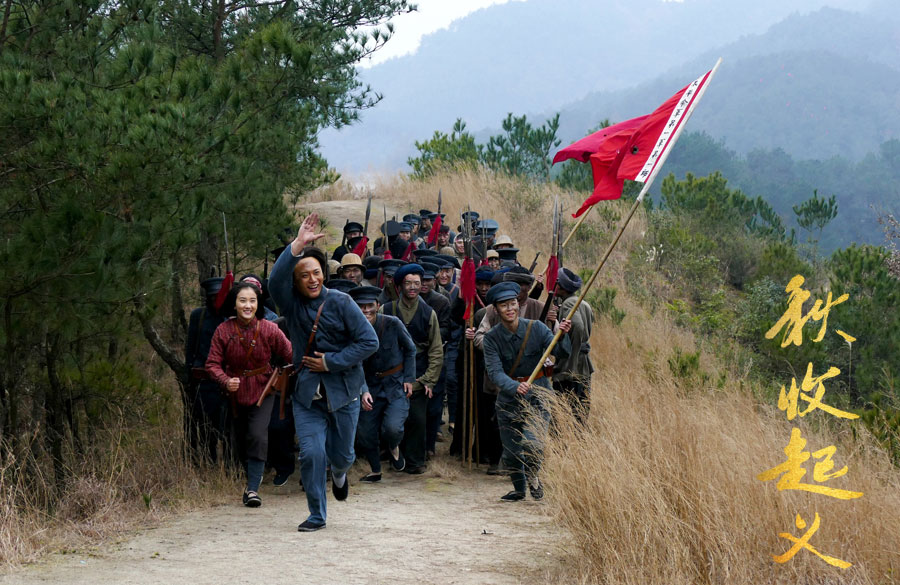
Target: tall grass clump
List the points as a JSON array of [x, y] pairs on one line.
[[660, 484]]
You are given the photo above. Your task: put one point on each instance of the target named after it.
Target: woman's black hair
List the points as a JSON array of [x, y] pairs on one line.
[[228, 309]]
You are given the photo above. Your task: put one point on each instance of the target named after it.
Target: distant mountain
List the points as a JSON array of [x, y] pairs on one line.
[[535, 56], [812, 104], [816, 85]]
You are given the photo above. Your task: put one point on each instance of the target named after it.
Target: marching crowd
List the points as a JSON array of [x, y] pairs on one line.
[[370, 350]]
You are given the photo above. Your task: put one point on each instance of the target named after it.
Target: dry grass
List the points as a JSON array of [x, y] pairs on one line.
[[128, 478], [661, 487]]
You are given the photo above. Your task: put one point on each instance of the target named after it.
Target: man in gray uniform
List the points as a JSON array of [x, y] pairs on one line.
[[572, 375], [512, 350]]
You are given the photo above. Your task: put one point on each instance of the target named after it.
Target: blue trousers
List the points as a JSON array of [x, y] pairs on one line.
[[452, 382], [386, 420], [325, 437], [523, 424]]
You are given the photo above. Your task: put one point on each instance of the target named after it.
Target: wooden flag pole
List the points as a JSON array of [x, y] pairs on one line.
[[664, 155], [640, 198], [577, 225]]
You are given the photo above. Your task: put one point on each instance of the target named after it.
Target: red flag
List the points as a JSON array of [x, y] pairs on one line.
[[552, 273], [435, 230], [223, 292], [467, 286], [408, 255], [360, 248], [632, 149]]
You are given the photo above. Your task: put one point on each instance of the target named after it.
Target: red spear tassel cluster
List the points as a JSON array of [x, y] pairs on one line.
[[551, 274], [467, 285], [435, 230], [223, 292], [360, 248]]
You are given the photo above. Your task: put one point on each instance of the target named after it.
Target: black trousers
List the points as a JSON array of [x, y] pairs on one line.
[[251, 430], [578, 396], [414, 431], [282, 454]]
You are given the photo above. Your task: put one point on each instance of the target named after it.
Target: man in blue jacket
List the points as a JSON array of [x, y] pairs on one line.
[[331, 338], [390, 375]]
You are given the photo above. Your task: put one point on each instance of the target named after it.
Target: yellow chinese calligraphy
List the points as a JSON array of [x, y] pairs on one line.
[[803, 542], [787, 401], [794, 319], [793, 470]]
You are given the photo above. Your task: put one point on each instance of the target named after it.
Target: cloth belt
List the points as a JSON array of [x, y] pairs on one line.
[[391, 372], [540, 375], [249, 373]]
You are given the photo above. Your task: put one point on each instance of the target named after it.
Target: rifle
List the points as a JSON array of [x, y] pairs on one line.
[[278, 380], [534, 263], [220, 299], [344, 237]]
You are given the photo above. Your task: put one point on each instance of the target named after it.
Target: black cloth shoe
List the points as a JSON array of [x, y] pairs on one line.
[[280, 479], [308, 526], [252, 500], [398, 464], [513, 496], [536, 489], [416, 470], [340, 493], [371, 477]]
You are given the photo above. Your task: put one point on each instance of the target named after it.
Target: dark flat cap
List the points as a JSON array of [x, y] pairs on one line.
[[340, 284], [502, 292], [353, 226], [363, 295]]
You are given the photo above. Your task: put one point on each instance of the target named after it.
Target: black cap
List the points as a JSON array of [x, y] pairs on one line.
[[390, 266], [393, 228], [508, 253], [340, 284], [363, 295], [411, 218], [398, 248], [426, 213], [212, 286], [430, 269], [424, 252], [451, 260], [371, 261], [353, 226]]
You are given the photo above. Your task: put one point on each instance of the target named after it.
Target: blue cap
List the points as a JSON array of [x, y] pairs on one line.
[[502, 292], [424, 252], [406, 270], [363, 295], [484, 274], [404, 226], [411, 218]]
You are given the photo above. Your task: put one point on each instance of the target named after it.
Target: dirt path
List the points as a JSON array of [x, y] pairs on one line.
[[428, 529]]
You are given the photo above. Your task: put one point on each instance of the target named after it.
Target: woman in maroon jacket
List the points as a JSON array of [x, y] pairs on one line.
[[239, 360]]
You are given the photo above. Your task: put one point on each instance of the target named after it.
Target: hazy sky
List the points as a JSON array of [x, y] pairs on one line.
[[432, 15]]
